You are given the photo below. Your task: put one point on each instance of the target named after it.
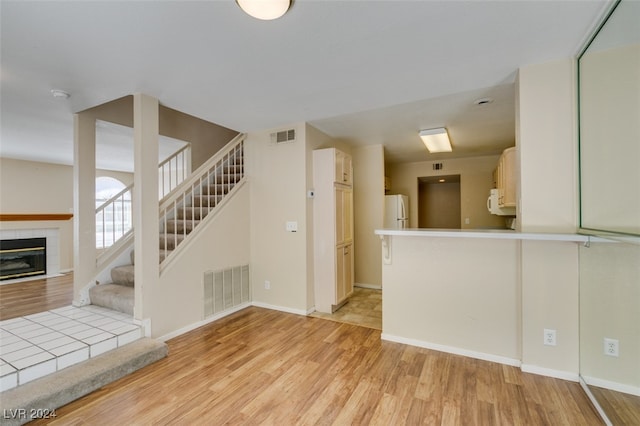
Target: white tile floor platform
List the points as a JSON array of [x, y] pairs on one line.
[[40, 344]]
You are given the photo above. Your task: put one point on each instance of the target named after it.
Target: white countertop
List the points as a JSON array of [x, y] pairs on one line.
[[501, 234]]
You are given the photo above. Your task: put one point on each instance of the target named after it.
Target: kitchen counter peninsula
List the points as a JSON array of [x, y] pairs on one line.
[[484, 293]]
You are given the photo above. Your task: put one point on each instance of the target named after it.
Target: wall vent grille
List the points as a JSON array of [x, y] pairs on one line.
[[283, 136], [226, 289], [438, 166]]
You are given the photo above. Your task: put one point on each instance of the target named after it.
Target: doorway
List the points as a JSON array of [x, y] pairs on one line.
[[439, 202]]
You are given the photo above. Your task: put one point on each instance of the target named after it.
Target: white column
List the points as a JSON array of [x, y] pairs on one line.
[[145, 203], [84, 206]]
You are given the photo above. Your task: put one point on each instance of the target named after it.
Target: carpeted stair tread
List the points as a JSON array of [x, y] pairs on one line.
[[180, 226], [123, 275], [206, 201], [217, 189], [113, 296], [196, 213], [171, 241], [60, 388]]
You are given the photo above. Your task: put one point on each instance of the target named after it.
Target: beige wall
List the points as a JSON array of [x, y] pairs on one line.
[[368, 198], [32, 187], [206, 138], [609, 308], [476, 179], [610, 114], [280, 176], [177, 300], [550, 301], [458, 295], [439, 205], [547, 202], [546, 147], [277, 175]]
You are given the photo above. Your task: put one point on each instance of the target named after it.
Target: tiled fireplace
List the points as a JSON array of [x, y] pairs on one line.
[[23, 257], [21, 249]]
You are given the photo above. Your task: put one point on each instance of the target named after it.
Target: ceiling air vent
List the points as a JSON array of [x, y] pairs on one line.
[[283, 136], [438, 166]]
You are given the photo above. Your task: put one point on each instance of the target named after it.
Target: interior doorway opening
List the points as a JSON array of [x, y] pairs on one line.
[[439, 202]]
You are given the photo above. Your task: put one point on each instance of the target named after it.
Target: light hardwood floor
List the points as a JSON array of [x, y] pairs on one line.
[[363, 308], [266, 367], [261, 366], [31, 297]]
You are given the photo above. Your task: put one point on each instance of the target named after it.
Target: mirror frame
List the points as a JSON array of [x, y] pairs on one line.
[[582, 228]]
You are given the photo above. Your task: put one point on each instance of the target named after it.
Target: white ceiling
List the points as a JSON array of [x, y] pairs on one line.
[[371, 72]]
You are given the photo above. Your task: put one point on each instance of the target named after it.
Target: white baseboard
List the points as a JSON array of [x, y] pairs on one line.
[[452, 350], [365, 285], [198, 324], [557, 374], [615, 386], [280, 308]]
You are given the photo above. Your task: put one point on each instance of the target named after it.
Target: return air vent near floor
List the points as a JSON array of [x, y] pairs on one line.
[[438, 166], [226, 289], [283, 136]]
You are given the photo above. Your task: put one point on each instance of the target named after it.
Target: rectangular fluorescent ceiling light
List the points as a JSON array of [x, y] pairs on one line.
[[436, 140]]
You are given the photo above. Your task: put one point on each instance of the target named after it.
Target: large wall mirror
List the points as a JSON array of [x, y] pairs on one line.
[[609, 114]]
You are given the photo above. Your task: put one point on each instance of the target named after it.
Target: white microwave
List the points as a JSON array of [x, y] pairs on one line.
[[492, 205]]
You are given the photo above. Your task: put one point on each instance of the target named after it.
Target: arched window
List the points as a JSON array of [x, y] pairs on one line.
[[113, 216], [107, 187]]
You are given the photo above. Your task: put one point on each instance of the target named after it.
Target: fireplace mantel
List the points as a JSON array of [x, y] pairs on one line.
[[30, 217]]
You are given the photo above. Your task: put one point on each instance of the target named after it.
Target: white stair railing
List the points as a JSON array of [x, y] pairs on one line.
[[114, 218], [173, 171], [197, 196]]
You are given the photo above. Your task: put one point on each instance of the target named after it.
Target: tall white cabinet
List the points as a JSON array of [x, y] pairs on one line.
[[332, 228]]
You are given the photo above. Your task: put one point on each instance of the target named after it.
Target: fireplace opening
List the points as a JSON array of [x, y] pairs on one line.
[[24, 257]]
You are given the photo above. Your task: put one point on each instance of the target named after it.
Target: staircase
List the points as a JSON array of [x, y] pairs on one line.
[[180, 213]]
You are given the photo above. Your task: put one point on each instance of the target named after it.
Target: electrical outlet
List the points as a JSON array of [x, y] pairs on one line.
[[549, 337], [267, 285], [611, 347]]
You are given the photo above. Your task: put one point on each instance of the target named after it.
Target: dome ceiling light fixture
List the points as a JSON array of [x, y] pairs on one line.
[[265, 9], [60, 94]]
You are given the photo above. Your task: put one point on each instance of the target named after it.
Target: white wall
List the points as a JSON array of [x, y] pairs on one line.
[[177, 300]]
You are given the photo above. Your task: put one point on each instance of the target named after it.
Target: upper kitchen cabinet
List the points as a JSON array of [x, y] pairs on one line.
[[505, 177], [343, 168]]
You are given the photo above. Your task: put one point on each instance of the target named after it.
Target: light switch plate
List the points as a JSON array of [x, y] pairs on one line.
[[292, 227]]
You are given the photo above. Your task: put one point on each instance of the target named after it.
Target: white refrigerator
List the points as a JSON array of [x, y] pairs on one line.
[[396, 211]]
